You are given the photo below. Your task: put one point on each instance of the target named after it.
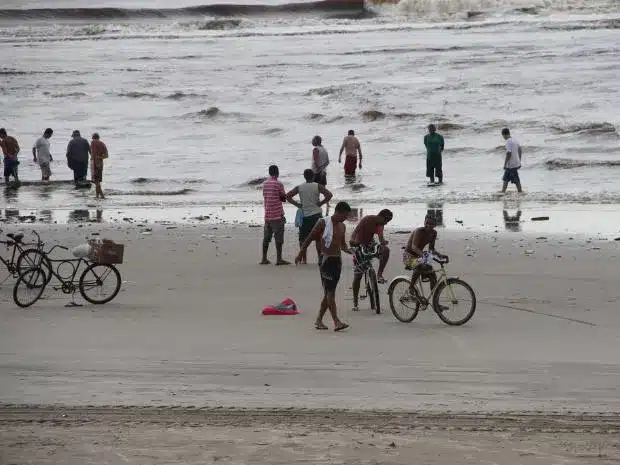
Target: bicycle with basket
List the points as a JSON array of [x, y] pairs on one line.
[[99, 282]]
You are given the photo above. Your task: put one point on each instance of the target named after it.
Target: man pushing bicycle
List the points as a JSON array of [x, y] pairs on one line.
[[363, 239], [414, 255]]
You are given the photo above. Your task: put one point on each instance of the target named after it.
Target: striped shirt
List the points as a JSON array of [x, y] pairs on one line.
[[273, 193]]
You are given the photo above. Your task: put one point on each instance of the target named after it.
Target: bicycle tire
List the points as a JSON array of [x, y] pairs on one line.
[[26, 279], [99, 278], [369, 292], [395, 312], [375, 291], [39, 259], [442, 314]]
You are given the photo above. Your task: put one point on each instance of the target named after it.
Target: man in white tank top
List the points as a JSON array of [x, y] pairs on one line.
[[320, 160], [310, 204]]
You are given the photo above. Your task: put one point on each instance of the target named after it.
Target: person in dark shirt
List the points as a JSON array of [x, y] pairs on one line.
[[434, 148], [78, 152]]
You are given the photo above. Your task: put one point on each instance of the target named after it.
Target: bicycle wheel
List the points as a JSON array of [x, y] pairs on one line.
[[34, 258], [100, 283], [375, 303], [29, 287], [369, 293], [404, 305], [454, 303]]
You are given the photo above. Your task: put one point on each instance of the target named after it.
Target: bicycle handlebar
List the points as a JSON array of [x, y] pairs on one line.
[[56, 246], [34, 233]]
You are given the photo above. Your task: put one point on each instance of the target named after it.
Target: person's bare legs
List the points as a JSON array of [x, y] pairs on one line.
[[318, 251], [505, 186], [357, 281], [331, 305], [322, 310], [518, 184], [383, 259], [304, 254], [98, 191], [280, 261]]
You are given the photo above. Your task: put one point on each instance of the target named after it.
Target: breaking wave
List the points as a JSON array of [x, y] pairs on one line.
[[326, 6], [585, 128], [142, 181], [570, 163], [137, 95], [184, 191]]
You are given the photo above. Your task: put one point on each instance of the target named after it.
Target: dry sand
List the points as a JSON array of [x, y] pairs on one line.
[[186, 330]]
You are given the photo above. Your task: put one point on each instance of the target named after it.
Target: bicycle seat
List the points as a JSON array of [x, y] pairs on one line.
[[16, 237]]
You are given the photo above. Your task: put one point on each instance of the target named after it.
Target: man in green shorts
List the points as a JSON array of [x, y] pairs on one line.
[[434, 148]]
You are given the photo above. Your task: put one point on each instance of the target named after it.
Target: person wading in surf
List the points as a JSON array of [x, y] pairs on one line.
[[10, 150], [351, 147], [320, 160], [331, 233], [434, 149], [512, 162], [42, 155]]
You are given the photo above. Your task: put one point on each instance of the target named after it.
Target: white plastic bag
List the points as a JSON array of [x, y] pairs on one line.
[[81, 251]]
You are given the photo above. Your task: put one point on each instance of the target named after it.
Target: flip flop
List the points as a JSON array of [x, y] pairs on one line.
[[320, 326], [341, 328], [265, 262], [355, 309]]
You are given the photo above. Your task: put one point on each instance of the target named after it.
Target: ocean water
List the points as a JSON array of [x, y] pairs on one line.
[[195, 102]]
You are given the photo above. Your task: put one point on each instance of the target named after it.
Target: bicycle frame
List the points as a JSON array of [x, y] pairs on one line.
[[442, 278], [11, 263]]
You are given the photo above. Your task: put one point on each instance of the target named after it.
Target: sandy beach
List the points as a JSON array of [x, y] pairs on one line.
[[186, 335]]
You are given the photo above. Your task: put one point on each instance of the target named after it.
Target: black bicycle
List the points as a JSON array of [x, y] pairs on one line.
[[362, 261], [98, 284], [21, 258]]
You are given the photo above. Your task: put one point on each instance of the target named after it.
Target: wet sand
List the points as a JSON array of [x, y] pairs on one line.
[[186, 331]]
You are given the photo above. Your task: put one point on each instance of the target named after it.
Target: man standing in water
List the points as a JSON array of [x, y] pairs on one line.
[[434, 148], [42, 155], [350, 146], [10, 149], [274, 196], [512, 163], [78, 150], [320, 160], [363, 236], [98, 152], [331, 232]]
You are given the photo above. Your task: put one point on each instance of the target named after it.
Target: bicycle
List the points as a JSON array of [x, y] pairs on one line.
[[399, 293], [21, 259], [362, 261], [93, 277]]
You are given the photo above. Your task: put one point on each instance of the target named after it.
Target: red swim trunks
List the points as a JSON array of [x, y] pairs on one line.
[[350, 165]]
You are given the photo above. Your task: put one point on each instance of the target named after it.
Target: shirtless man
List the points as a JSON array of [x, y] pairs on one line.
[[350, 146], [419, 239], [331, 233], [363, 236]]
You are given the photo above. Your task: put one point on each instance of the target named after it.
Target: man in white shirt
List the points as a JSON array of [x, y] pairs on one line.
[[42, 155], [512, 163]]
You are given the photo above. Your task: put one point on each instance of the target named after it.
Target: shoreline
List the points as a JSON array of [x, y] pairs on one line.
[[509, 217]]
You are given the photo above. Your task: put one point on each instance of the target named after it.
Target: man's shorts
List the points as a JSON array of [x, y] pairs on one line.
[[330, 269], [307, 225], [320, 178], [433, 166], [350, 165], [10, 167], [274, 228], [97, 174], [511, 175], [46, 171]]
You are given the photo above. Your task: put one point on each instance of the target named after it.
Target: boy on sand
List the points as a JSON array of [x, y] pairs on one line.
[[42, 155], [331, 232], [512, 163], [274, 196], [350, 146]]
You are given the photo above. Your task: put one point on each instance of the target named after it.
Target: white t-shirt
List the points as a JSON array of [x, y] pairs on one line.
[[42, 145], [323, 160], [512, 147]]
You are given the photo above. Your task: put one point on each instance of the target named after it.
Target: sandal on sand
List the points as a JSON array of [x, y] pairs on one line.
[[343, 326], [282, 262], [320, 326], [355, 308], [264, 262]]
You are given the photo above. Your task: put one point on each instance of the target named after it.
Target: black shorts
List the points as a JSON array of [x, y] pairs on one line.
[[274, 228], [10, 167], [330, 269], [433, 166], [307, 225], [320, 178], [511, 175]]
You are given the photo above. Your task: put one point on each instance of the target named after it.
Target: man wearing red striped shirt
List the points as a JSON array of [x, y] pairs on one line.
[[274, 195]]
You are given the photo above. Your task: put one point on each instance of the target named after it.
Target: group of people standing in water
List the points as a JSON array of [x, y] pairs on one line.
[[329, 234], [79, 153]]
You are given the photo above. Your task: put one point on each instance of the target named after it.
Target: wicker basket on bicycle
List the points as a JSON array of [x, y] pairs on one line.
[[105, 251]]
